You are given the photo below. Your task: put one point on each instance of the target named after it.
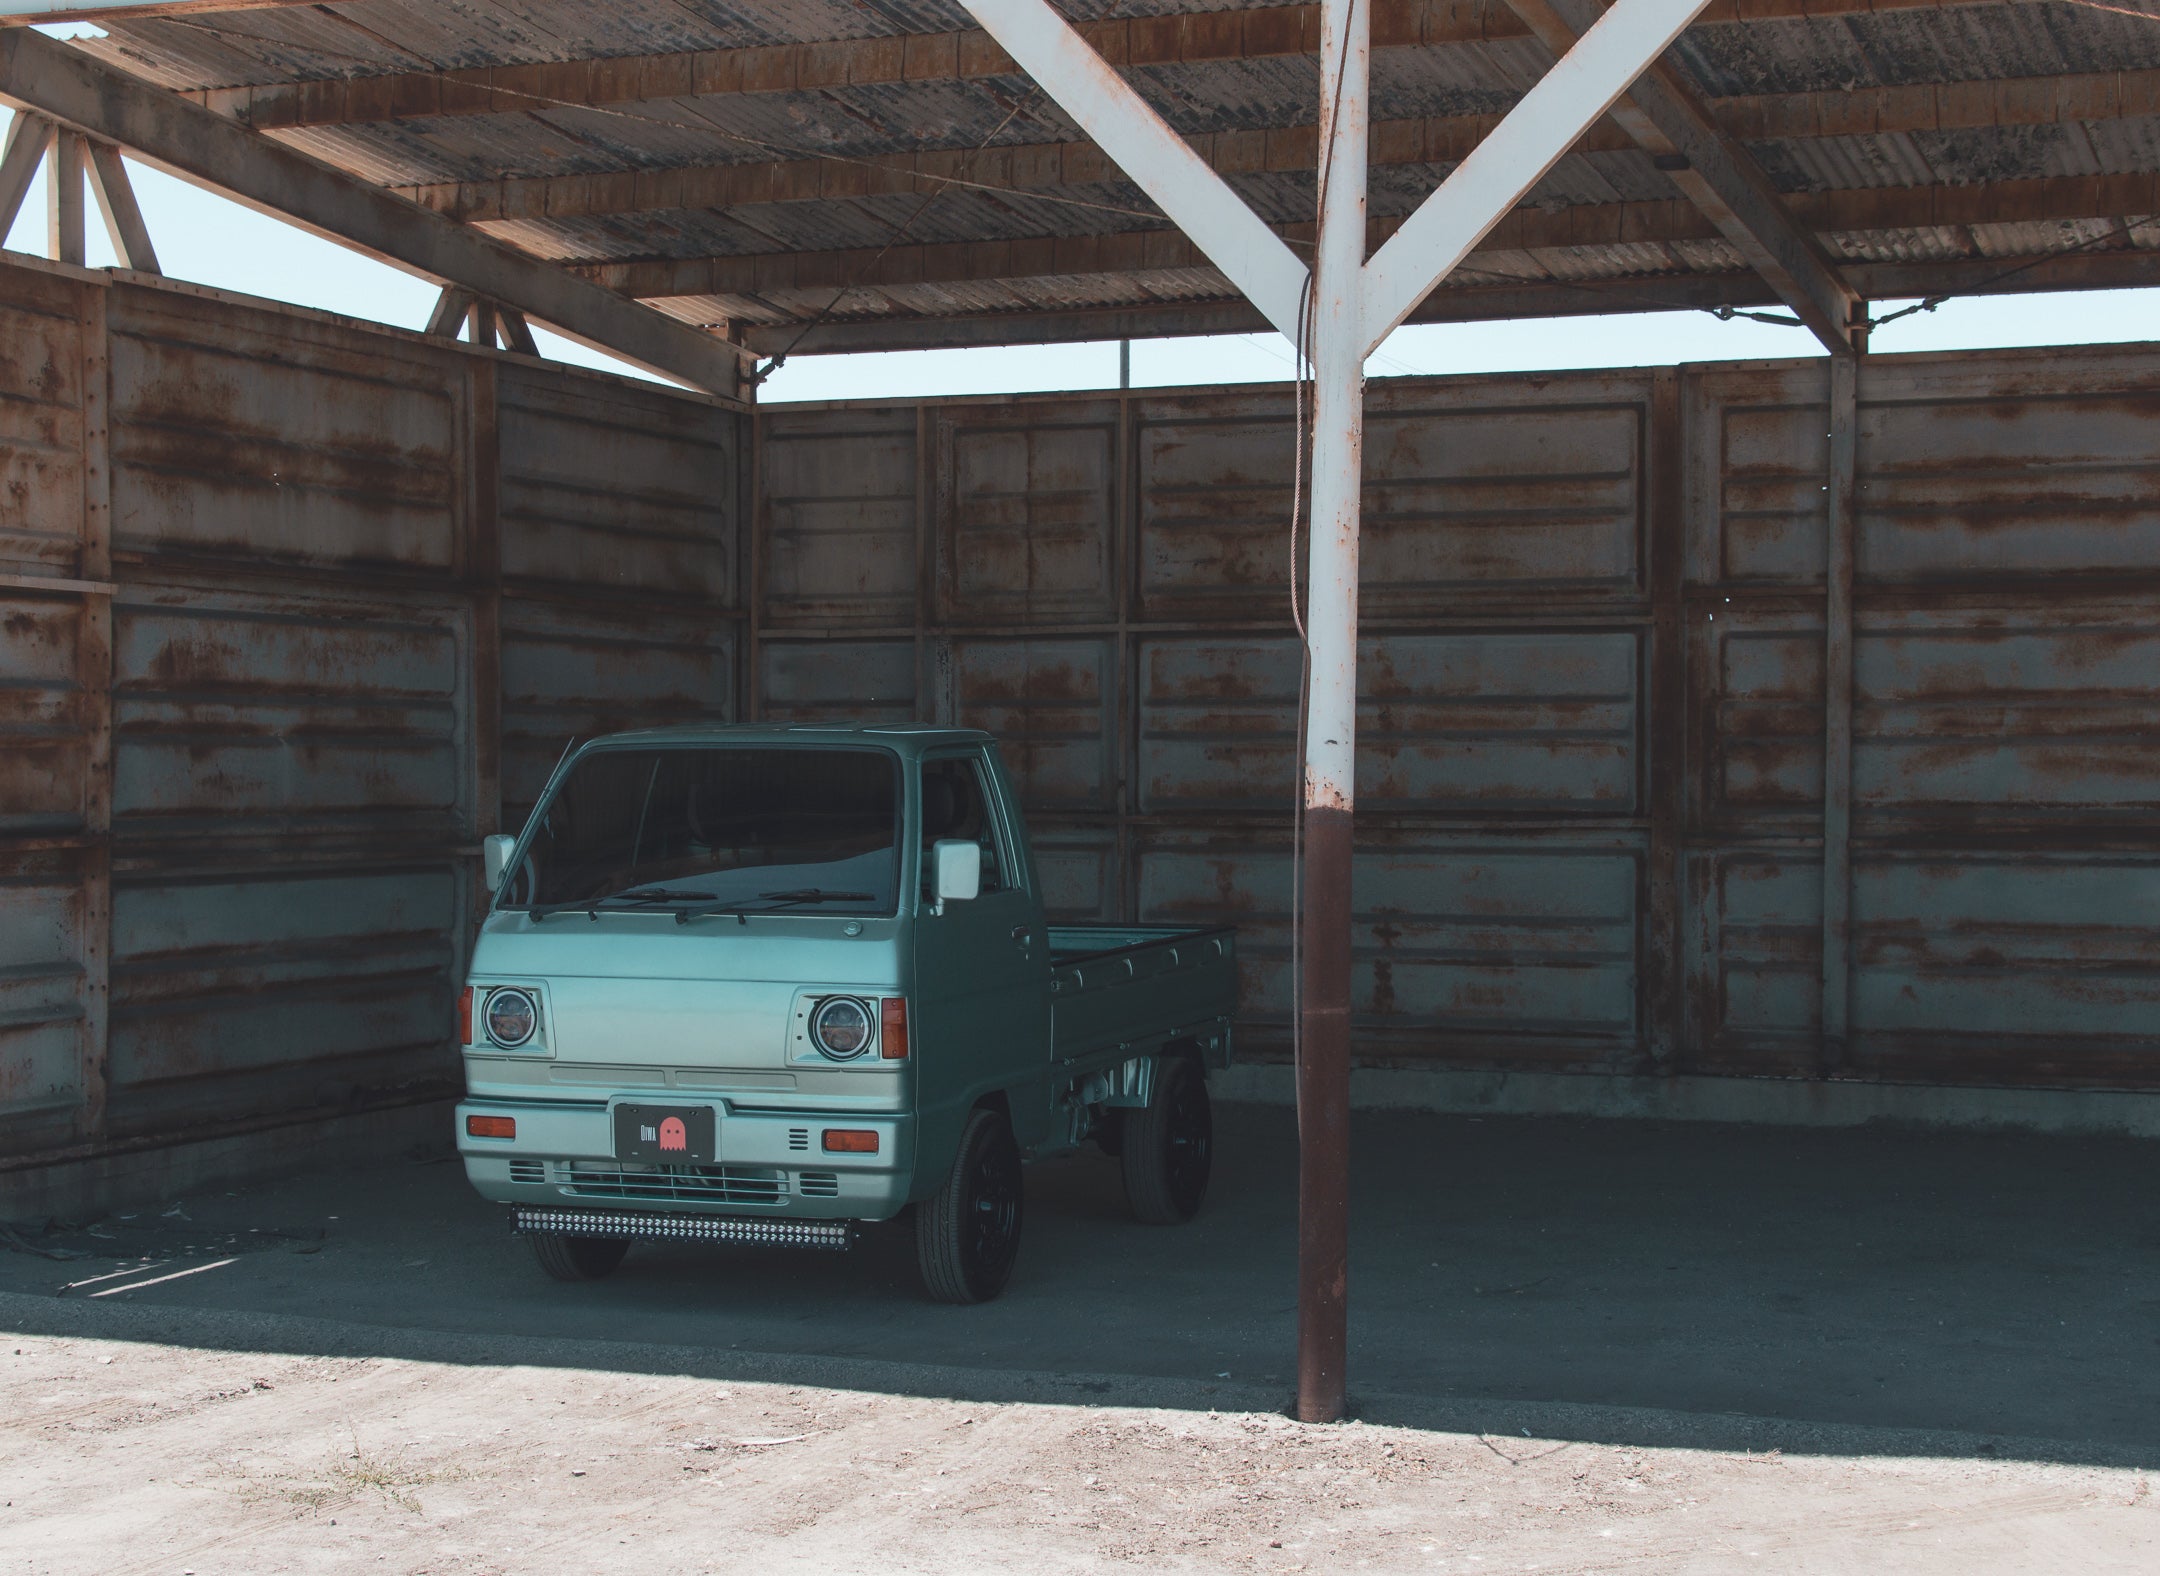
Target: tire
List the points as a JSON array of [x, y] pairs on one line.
[[1170, 1146], [577, 1258], [968, 1235]]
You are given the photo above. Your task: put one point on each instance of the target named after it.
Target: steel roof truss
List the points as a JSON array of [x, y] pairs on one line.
[[1720, 177], [1157, 159]]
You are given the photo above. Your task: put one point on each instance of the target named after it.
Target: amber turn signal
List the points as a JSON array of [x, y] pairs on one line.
[[491, 1127], [850, 1141], [464, 1016], [892, 1028]]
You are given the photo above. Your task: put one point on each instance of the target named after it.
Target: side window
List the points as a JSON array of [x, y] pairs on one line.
[[956, 803]]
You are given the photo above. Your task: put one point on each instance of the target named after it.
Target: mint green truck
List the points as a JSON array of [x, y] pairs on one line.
[[767, 984]]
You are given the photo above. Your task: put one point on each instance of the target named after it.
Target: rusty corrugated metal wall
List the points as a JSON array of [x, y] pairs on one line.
[[1592, 734], [291, 613]]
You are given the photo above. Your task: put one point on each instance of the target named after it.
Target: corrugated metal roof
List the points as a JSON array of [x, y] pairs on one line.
[[1820, 54]]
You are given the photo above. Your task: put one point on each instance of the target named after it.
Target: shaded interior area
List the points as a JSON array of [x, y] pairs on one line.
[[1730, 1288]]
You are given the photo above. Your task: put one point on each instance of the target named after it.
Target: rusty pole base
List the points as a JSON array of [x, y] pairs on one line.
[[1323, 1095]]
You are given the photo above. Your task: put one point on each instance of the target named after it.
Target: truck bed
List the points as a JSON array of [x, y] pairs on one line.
[[1120, 991]]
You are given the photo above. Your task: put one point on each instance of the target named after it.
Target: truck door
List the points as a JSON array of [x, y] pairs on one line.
[[982, 968]]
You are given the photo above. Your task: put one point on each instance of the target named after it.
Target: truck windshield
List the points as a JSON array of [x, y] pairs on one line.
[[800, 829]]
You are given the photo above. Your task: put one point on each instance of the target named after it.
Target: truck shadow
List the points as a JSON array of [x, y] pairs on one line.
[[1873, 1291]]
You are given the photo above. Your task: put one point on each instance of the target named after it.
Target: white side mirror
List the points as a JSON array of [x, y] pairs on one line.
[[495, 858], [958, 872]]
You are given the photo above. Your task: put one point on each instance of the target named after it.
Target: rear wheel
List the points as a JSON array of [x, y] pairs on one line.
[[968, 1235], [1169, 1146], [577, 1258]]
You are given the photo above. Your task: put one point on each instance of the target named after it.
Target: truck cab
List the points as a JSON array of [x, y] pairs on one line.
[[772, 984]]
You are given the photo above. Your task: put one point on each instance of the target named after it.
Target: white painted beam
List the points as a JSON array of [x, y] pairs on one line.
[[1501, 170], [1154, 157]]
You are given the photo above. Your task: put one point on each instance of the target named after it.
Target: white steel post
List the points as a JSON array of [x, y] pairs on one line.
[[1338, 363]]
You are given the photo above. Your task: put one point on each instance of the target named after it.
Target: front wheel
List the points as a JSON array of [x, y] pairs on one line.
[[1169, 1146], [967, 1236], [577, 1258]]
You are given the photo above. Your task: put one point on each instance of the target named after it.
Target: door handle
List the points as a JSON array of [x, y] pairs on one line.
[[1022, 932]]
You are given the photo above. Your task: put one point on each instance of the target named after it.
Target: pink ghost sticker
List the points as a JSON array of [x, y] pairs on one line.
[[673, 1135]]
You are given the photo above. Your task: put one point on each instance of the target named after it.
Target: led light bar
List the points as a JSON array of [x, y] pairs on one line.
[[831, 1235]]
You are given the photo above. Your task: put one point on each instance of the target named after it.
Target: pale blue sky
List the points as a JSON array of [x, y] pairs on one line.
[[208, 240]]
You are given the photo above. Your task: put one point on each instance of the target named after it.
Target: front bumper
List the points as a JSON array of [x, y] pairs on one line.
[[768, 1165]]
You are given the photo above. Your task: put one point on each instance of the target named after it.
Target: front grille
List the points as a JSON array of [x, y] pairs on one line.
[[798, 1138], [819, 1184], [528, 1171], [835, 1234], [680, 1184]]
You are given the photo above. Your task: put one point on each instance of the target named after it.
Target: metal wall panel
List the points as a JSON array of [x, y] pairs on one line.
[[1470, 724], [1027, 509], [250, 990], [1969, 967], [838, 681], [244, 787], [263, 717], [1053, 705], [838, 495], [369, 586], [1076, 867], [1593, 719], [604, 486], [41, 424], [1525, 945], [264, 438], [45, 724], [570, 671], [2005, 774], [42, 977], [1482, 485]]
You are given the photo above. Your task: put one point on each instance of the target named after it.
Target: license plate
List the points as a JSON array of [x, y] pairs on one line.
[[665, 1134]]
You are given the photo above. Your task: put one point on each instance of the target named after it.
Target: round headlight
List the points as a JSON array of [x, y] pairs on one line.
[[841, 1028], [512, 1015]]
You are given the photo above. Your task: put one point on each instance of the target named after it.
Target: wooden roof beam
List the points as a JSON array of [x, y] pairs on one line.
[[81, 94], [2054, 199], [1456, 303], [1434, 139], [24, 13], [1262, 33]]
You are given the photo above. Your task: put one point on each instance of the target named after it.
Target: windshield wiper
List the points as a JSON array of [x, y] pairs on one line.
[[775, 901], [639, 896]]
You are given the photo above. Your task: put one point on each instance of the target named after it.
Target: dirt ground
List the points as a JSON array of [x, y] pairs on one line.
[[121, 1457], [1575, 1347]]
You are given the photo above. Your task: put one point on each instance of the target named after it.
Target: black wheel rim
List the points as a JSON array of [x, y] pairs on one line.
[[1189, 1143], [992, 1231]]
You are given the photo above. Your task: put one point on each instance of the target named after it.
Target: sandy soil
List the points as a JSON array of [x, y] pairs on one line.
[[131, 1457]]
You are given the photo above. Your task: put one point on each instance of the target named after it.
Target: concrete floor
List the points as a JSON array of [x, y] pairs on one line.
[[1858, 1291]]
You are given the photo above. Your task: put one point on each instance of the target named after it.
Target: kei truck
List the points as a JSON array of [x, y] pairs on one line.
[[767, 984]]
